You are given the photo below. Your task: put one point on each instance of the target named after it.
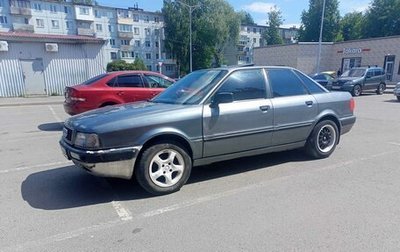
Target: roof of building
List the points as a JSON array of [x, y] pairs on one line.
[[26, 36]]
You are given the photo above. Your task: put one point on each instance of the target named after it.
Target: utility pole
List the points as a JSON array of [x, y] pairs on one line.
[[191, 9], [320, 37]]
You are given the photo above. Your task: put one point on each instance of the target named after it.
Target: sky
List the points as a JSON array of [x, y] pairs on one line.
[[290, 9]]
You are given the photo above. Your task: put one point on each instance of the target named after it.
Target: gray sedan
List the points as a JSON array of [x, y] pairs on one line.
[[208, 116]]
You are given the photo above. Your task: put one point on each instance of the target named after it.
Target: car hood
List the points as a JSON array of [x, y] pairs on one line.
[[122, 116]]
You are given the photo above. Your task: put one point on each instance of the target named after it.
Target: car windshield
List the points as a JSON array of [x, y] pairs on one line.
[[192, 88], [353, 73], [320, 77], [94, 79]]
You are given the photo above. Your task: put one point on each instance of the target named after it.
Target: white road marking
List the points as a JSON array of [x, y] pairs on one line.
[[23, 168], [122, 212], [54, 114]]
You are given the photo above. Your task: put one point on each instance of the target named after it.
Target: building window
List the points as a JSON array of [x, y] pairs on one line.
[[147, 31], [124, 28], [113, 55], [1, 3], [67, 9], [37, 6], [99, 27], [112, 42], [146, 19], [55, 24], [149, 68], [53, 8], [110, 28], [97, 13], [169, 68], [254, 40], [68, 25], [39, 23], [110, 14], [26, 20], [157, 19], [125, 42], [125, 54], [136, 31], [148, 55], [157, 44], [137, 43], [147, 43], [83, 11], [157, 56], [135, 18], [3, 20], [136, 55]]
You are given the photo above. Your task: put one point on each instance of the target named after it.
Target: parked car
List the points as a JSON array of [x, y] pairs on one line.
[[114, 88], [324, 78], [359, 79], [208, 116], [396, 91]]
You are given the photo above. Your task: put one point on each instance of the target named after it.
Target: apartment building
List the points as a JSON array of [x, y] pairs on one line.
[[45, 32]]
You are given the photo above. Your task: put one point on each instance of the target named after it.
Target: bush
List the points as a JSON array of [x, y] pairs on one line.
[[122, 65]]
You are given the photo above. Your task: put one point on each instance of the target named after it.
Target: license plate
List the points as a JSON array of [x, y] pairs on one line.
[[333, 87]]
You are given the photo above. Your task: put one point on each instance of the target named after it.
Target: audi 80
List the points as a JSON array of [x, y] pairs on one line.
[[208, 116]]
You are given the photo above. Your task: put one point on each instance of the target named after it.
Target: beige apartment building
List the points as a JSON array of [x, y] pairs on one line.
[[384, 52]]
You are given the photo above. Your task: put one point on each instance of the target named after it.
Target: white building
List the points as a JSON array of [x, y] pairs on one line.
[[117, 34]]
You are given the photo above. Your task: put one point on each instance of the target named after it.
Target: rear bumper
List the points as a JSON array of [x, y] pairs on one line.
[[74, 108], [347, 123], [116, 162]]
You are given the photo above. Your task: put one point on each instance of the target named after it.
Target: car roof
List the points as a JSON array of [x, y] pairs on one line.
[[115, 73], [232, 68]]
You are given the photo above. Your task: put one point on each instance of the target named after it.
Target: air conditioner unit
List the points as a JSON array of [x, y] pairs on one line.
[[3, 46], [51, 47]]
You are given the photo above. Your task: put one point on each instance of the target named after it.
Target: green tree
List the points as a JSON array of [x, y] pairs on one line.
[[246, 18], [382, 19], [351, 25], [138, 64], [311, 22], [214, 25], [271, 34], [122, 65]]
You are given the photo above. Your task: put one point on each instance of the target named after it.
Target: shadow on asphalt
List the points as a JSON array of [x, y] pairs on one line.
[[70, 187], [57, 126], [393, 101]]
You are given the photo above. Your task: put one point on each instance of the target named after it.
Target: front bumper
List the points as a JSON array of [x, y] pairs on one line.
[[347, 88], [396, 91], [116, 162]]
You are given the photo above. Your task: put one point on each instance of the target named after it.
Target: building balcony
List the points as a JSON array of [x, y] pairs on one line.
[[23, 27], [127, 21], [20, 11], [128, 35], [85, 32], [127, 48]]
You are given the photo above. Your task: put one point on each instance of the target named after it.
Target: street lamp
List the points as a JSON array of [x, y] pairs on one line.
[[191, 9], [320, 37]]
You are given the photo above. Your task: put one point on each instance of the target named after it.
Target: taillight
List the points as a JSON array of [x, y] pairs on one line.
[[73, 95], [352, 104]]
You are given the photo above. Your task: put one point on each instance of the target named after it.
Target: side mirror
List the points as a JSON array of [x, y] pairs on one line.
[[223, 97]]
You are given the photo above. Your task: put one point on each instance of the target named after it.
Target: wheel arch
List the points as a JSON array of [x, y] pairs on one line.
[[329, 116]]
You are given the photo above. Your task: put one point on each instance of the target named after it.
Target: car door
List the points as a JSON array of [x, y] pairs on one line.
[[130, 87], [241, 125], [370, 80], [295, 109]]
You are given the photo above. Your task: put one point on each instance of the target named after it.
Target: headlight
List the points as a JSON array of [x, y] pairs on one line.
[[84, 140]]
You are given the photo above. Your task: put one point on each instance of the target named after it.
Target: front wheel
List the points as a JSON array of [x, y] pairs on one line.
[[380, 89], [356, 90], [163, 168], [323, 139]]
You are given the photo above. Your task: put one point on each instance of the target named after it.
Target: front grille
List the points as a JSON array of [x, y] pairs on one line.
[[67, 134]]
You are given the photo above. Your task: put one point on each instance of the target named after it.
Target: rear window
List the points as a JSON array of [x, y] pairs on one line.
[[94, 79]]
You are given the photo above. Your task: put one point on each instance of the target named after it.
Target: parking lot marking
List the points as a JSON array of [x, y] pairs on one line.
[[23, 168], [122, 212], [54, 114]]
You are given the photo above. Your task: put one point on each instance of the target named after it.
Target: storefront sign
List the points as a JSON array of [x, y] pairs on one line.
[[352, 50]]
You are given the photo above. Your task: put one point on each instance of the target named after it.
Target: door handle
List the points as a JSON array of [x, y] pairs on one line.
[[265, 108], [309, 103]]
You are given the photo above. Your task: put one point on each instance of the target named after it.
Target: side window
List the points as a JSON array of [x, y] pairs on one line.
[[312, 87], [285, 83], [130, 81], [154, 81], [112, 82], [245, 85], [369, 73]]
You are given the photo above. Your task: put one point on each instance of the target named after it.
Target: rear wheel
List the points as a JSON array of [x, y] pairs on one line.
[[323, 139], [163, 168], [356, 90], [380, 88]]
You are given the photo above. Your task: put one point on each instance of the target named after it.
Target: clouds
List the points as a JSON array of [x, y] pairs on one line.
[[353, 5], [259, 7]]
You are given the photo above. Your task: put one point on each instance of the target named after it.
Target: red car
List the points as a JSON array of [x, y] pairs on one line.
[[114, 88]]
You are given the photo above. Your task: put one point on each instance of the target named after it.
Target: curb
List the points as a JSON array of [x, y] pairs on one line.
[[29, 104]]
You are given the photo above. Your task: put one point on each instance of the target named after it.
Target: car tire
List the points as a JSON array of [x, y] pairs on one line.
[[322, 140], [380, 89], [357, 90], [163, 168]]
